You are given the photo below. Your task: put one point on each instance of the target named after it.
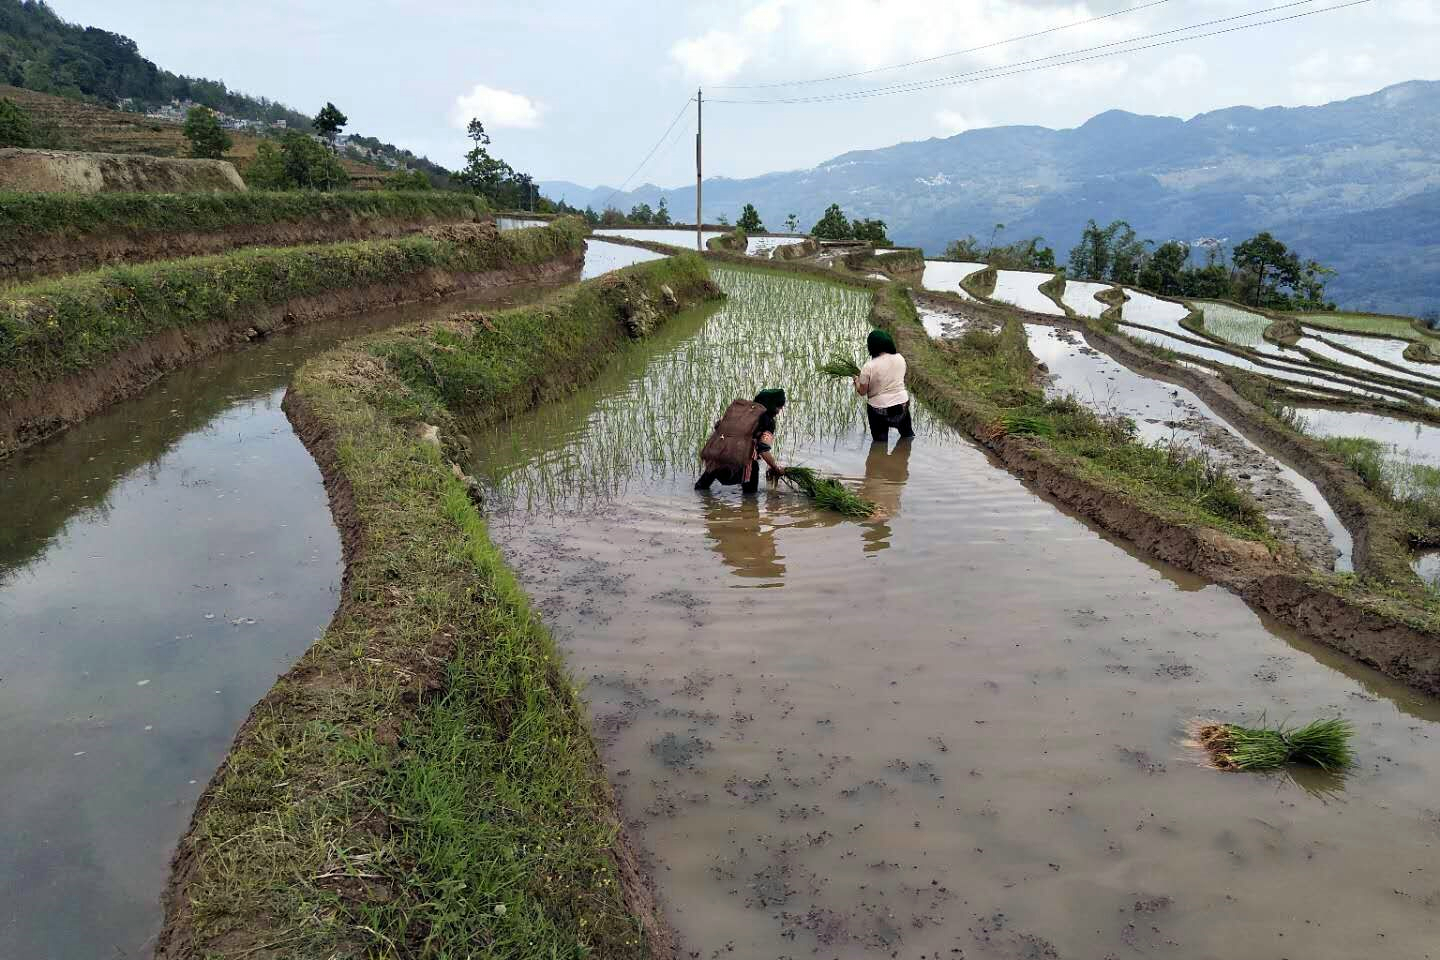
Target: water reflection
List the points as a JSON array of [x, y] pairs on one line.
[[885, 474], [743, 536]]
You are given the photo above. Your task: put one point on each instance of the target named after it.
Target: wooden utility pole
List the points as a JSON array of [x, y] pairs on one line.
[[699, 126]]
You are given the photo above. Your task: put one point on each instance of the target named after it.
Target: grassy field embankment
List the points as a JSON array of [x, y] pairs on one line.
[[48, 233], [424, 782], [71, 345]]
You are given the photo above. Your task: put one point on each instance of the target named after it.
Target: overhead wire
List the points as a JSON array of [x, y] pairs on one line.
[[942, 56], [626, 182], [1009, 70]]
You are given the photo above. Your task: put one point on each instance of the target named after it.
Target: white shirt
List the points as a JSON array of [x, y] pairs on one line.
[[883, 378]]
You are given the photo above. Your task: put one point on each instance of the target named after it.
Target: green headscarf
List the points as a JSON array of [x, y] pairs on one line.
[[771, 399], [880, 342]]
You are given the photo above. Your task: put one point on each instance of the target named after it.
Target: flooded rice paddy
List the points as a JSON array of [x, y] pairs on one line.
[[518, 223], [602, 257], [1080, 296], [1022, 288], [675, 238], [944, 276], [1168, 413], [762, 246], [160, 565], [954, 730]]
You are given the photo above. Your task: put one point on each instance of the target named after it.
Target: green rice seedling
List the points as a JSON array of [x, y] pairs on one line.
[[828, 493], [840, 367], [1321, 743], [1026, 425]]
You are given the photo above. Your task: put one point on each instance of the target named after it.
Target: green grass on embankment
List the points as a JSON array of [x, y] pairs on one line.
[[31, 217], [52, 328], [1379, 324], [354, 817], [986, 381]]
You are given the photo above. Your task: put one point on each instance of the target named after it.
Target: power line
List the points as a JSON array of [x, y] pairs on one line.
[[624, 183], [943, 56], [1008, 70]]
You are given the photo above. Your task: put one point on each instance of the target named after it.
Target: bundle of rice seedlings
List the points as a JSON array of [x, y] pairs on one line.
[[828, 493], [1026, 425], [1322, 743], [840, 366]]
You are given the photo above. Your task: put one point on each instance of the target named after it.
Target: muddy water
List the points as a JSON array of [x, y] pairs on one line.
[[160, 564], [954, 731], [1408, 439]]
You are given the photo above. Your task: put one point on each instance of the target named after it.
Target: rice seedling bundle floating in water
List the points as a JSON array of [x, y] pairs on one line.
[[1322, 743], [828, 493], [840, 366]]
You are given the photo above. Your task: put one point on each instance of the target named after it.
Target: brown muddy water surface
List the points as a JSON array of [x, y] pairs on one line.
[[955, 730], [160, 564]]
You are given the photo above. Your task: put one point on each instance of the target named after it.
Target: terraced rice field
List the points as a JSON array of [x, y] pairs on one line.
[[1022, 288], [1080, 297], [944, 276]]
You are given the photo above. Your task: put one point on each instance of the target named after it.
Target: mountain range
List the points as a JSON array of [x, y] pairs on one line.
[[1354, 184]]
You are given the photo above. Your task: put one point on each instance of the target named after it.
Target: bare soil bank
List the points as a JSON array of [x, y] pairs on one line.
[[58, 171], [51, 255], [48, 408]]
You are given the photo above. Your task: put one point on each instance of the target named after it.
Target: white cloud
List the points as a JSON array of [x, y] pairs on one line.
[[1324, 76], [763, 18], [713, 57], [496, 108]]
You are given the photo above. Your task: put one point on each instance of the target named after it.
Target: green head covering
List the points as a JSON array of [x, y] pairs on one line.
[[772, 399], [880, 342]]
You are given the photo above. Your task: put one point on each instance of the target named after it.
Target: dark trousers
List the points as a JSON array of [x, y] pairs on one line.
[[729, 476], [881, 421]]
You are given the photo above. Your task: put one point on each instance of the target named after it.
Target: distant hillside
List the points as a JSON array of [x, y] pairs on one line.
[[42, 53], [1355, 184], [73, 125]]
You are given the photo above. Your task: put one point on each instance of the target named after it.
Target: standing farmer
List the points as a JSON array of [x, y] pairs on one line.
[[882, 383]]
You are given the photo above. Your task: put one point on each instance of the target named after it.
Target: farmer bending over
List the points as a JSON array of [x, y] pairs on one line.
[[882, 383], [746, 472]]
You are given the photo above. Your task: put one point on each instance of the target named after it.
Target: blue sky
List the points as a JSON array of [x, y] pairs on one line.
[[581, 90]]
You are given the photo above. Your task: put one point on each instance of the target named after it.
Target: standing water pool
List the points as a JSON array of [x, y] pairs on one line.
[[160, 564], [954, 729]]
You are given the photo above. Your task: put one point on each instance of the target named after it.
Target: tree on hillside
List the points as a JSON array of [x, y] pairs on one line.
[[750, 219], [872, 231], [662, 214], [641, 213], [1310, 291], [208, 140], [297, 163], [1031, 254], [329, 122], [591, 217], [792, 222], [1164, 271], [16, 130], [408, 180], [1112, 253], [833, 225], [525, 184], [1265, 265], [612, 217], [967, 249]]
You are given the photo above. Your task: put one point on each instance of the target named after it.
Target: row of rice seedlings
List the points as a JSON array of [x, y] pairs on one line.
[[650, 426], [828, 492], [1240, 327]]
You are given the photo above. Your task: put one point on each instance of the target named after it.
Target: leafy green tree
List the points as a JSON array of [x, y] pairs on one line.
[[968, 250], [792, 222], [1210, 282], [329, 122], [1310, 291], [750, 219], [16, 130], [309, 166], [1111, 253], [612, 218], [208, 140], [267, 170], [872, 231], [483, 174], [641, 213], [833, 225], [1163, 272], [1265, 265], [591, 217], [662, 214], [408, 180], [1028, 254]]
